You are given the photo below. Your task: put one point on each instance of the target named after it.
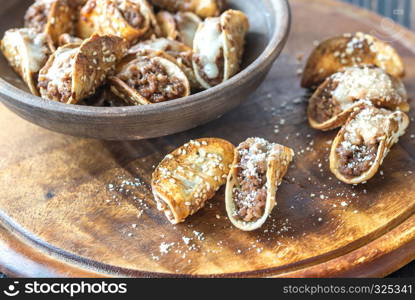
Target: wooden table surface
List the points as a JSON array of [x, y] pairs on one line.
[[73, 206]]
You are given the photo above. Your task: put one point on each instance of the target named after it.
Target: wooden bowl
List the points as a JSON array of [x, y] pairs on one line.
[[270, 23]]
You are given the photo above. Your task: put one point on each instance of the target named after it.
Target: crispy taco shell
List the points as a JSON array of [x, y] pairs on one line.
[[52, 17], [181, 26], [218, 47], [363, 143], [27, 52], [335, 99], [349, 50], [191, 175], [181, 53], [250, 200], [129, 19], [203, 8], [75, 71], [337, 116], [149, 79], [167, 25]]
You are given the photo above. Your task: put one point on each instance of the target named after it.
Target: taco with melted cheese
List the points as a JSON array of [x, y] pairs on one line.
[[149, 79], [218, 47]]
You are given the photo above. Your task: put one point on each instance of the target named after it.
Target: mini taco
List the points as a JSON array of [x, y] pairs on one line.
[[146, 80], [349, 50], [218, 48], [75, 71], [27, 52], [336, 98], [257, 171], [363, 143], [191, 175]]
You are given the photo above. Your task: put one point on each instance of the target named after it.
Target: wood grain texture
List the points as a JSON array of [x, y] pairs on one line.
[[76, 207]]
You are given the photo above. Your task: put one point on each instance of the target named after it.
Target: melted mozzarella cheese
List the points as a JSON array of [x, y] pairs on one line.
[[372, 124], [209, 42], [366, 83]]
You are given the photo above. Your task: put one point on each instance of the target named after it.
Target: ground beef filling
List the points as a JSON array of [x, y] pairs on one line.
[[61, 92], [37, 17], [132, 14], [220, 63], [250, 195], [154, 83], [324, 108], [356, 159]]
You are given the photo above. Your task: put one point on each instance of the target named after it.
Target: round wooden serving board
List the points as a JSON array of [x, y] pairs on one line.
[[77, 207]]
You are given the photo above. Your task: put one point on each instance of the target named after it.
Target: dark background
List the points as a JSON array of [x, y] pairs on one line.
[[401, 11]]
